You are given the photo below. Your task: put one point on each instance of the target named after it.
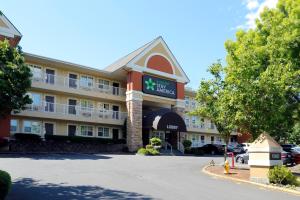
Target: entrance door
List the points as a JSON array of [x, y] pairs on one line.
[[115, 112], [50, 75], [49, 128], [72, 106], [49, 107], [115, 133], [116, 88], [171, 137], [71, 130]]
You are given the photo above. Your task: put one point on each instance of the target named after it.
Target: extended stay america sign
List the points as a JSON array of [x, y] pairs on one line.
[[159, 87]]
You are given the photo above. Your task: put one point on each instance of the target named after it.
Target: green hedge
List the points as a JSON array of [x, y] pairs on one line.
[[5, 184], [27, 136], [83, 139]]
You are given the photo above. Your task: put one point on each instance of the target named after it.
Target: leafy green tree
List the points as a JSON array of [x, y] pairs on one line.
[[213, 103], [263, 72], [14, 79], [294, 136]]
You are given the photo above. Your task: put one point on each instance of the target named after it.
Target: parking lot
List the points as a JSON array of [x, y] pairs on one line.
[[77, 176]]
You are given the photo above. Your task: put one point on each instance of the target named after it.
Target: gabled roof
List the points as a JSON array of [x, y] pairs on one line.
[[129, 60], [126, 59], [8, 29]]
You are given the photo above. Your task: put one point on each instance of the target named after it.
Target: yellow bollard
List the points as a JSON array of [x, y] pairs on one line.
[[226, 167]]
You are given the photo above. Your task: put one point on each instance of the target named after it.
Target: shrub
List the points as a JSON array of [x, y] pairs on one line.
[[5, 184], [153, 152], [143, 151], [155, 141], [283, 176], [27, 136], [79, 139], [149, 146], [187, 144]]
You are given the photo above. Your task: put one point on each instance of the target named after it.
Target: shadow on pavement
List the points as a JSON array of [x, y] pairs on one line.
[[68, 156], [28, 188]]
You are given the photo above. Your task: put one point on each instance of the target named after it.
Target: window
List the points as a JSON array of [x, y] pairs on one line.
[[86, 130], [187, 121], [212, 139], [13, 125], [36, 72], [103, 84], [219, 139], [193, 119], [103, 132], [86, 81], [50, 76], [33, 127], [36, 98], [86, 105], [49, 101], [49, 128], [202, 139], [187, 100]]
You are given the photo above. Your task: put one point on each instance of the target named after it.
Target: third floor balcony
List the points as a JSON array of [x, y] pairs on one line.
[[85, 87]]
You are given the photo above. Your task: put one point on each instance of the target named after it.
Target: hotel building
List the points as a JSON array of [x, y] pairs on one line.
[[139, 96]]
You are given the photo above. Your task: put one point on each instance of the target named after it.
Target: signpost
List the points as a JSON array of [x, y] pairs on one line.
[[160, 87]]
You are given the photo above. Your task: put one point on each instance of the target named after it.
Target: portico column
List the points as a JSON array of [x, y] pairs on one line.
[[179, 108], [134, 103]]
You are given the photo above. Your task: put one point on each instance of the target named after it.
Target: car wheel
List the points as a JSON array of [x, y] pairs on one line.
[[240, 160]]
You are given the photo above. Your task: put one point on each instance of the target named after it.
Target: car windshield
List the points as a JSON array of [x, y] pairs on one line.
[[296, 149]]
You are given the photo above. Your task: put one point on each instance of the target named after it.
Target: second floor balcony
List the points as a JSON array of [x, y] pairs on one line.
[[85, 87], [74, 113]]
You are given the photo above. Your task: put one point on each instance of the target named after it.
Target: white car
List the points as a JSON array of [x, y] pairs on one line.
[[245, 146]]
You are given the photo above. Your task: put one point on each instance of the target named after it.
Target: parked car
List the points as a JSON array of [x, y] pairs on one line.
[[242, 158], [235, 149], [286, 158], [295, 151], [212, 149], [287, 147]]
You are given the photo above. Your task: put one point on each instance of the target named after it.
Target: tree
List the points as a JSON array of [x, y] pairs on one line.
[[263, 72], [14, 79], [213, 103]]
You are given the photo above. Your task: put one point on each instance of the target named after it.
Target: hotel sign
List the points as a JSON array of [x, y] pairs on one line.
[[160, 87]]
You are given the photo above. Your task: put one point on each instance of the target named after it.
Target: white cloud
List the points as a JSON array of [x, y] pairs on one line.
[[252, 4], [255, 7]]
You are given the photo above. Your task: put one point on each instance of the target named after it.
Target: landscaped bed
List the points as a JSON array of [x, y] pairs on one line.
[[243, 174]]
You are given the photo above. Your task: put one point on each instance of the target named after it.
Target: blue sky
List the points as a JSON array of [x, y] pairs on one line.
[[96, 33]]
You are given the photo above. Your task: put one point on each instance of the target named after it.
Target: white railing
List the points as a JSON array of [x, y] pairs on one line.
[[78, 111], [200, 143], [79, 84], [203, 126], [190, 104]]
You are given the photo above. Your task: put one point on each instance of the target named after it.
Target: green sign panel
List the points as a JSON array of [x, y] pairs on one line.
[[160, 87]]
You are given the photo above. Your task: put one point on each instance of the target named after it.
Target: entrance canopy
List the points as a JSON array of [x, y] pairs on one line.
[[165, 120]]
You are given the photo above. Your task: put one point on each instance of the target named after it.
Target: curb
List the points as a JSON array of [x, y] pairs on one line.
[[271, 187]]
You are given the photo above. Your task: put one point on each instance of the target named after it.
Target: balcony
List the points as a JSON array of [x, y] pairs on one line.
[[190, 105], [74, 113], [204, 127], [200, 143], [74, 86]]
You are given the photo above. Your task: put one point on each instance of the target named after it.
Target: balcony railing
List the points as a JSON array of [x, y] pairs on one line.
[[190, 104], [77, 111], [87, 85], [204, 126], [200, 143]]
